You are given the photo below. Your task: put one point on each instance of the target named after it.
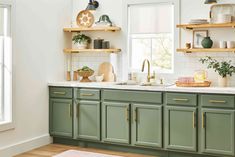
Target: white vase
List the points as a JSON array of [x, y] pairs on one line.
[[222, 81], [82, 45]]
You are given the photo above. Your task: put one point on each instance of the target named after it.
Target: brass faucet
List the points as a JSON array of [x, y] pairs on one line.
[[149, 74]]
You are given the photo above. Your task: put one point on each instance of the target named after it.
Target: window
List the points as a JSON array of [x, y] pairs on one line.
[[150, 35], [5, 64]]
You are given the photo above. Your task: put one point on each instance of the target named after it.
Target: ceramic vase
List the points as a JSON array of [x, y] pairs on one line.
[[207, 42], [82, 45], [222, 81]]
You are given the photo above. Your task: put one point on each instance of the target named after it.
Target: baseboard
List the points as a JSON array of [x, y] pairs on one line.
[[24, 146]]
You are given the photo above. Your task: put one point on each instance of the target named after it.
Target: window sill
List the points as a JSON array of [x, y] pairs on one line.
[[5, 126]]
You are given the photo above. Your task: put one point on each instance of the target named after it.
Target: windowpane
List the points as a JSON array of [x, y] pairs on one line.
[[151, 36], [5, 62]]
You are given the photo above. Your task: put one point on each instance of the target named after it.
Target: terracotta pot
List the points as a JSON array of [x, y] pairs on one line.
[[222, 81]]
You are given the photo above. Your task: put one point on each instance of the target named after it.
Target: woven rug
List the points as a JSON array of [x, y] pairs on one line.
[[75, 153]]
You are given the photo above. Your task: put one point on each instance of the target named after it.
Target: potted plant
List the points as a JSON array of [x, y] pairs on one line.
[[223, 68], [81, 41]]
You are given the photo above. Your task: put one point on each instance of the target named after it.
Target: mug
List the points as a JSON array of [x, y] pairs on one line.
[[231, 44], [223, 44]]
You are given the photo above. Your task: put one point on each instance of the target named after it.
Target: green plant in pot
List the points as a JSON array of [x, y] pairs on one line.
[[223, 68], [81, 41]]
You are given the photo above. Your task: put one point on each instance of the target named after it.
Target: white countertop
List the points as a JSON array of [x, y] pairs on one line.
[[113, 85]]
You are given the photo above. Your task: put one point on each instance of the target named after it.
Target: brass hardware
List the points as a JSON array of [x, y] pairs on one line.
[[87, 94], [203, 120], [176, 99], [127, 113], [149, 75], [194, 120], [59, 93], [217, 101], [70, 110], [135, 118]]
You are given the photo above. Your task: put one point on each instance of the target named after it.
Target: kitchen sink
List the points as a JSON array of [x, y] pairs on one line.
[[144, 84]]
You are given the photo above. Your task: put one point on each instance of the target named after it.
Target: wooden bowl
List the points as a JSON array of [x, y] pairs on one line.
[[85, 75]]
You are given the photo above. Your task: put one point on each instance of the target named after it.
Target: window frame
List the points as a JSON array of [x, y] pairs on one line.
[[10, 122], [125, 55]]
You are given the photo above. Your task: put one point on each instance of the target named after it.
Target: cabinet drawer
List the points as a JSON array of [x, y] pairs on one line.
[[133, 96], [88, 94], [181, 99], [60, 92], [223, 101]]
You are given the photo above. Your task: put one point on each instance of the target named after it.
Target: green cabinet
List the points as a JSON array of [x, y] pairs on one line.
[[88, 120], [147, 125], [115, 122], [180, 125], [217, 128], [61, 113]]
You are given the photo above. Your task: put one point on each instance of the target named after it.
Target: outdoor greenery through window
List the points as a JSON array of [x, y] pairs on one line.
[[5, 63], [151, 36]]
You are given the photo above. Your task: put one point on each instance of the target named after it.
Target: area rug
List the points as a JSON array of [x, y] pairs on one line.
[[75, 153]]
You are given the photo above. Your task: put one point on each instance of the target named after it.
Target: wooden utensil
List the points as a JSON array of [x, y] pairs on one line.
[[106, 68], [193, 84]]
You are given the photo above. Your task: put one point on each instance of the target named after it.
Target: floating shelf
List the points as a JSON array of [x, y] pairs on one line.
[[192, 26], [81, 29], [91, 50], [206, 50]]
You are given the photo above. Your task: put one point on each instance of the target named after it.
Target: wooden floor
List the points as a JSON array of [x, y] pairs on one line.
[[53, 149]]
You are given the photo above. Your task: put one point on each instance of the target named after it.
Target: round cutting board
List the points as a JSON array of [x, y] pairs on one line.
[[85, 19]]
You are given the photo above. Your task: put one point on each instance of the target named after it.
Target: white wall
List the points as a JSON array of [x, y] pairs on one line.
[[185, 64], [38, 58]]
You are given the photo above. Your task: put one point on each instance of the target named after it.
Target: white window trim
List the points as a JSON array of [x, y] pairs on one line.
[[10, 124], [125, 55]]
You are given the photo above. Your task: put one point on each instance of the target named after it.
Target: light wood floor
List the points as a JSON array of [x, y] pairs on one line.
[[53, 149]]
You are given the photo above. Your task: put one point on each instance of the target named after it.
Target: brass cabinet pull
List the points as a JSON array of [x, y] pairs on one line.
[[70, 110], [59, 93], [87, 94], [135, 118], [176, 99], [203, 120], [194, 120], [217, 101], [127, 113]]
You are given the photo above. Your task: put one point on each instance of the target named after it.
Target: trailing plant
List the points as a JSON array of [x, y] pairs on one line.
[[81, 38], [224, 68]]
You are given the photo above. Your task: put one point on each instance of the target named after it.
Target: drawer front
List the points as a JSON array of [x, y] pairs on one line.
[[181, 99], [88, 94], [133, 96], [61, 92], [221, 101]]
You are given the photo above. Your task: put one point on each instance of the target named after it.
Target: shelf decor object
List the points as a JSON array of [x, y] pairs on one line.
[[221, 13], [85, 19]]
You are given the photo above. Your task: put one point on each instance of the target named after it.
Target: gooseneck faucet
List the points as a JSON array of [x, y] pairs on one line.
[[149, 75]]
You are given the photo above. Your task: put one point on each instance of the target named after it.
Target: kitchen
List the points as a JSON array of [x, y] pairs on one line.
[[123, 111]]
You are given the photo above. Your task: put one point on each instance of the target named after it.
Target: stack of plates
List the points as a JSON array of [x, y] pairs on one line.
[[198, 21]]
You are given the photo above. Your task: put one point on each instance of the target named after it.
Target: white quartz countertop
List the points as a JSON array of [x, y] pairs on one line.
[[173, 88]]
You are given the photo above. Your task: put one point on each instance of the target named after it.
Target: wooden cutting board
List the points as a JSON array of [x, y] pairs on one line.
[[106, 68]]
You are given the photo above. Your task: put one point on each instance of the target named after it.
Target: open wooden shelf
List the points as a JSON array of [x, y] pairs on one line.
[[91, 50], [81, 29], [206, 50], [192, 26]]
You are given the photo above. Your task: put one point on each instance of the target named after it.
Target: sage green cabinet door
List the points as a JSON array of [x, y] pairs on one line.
[[147, 125], [61, 113], [88, 120], [181, 132], [217, 131], [115, 122]]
